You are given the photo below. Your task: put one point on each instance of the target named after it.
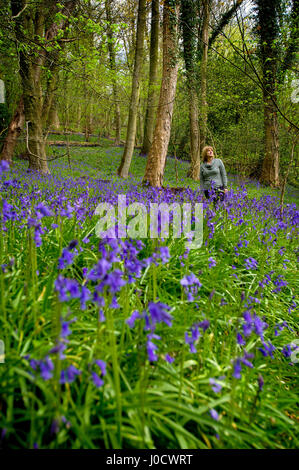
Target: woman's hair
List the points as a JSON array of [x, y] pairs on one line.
[[205, 151]]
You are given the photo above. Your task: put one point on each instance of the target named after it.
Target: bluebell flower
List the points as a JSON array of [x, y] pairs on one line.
[[237, 369], [69, 375], [204, 325], [100, 270], [214, 414], [102, 365], [131, 320], [46, 368], [73, 244], [287, 350], [152, 347], [169, 359], [84, 297], [97, 380], [251, 264], [159, 313], [260, 382], [191, 285], [267, 349], [240, 340], [216, 386], [195, 334], [4, 166]]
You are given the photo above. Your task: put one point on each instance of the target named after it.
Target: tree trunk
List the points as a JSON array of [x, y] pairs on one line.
[[268, 19], [79, 113], [113, 70], [33, 106], [154, 171], [32, 22], [270, 166], [203, 75], [153, 80], [123, 170], [35, 141], [140, 126], [14, 130], [194, 135], [53, 118], [190, 24]]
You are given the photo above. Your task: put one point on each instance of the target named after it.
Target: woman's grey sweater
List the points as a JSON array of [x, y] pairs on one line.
[[213, 172]]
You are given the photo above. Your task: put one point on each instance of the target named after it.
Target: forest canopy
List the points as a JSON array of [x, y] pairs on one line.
[[98, 67]]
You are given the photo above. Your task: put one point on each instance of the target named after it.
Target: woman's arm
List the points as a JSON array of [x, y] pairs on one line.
[[223, 174]]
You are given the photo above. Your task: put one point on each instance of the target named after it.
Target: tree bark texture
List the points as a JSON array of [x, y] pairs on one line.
[[268, 12], [14, 130], [156, 160], [189, 16], [38, 21], [112, 61], [124, 168], [203, 75], [152, 97], [270, 167], [194, 135]]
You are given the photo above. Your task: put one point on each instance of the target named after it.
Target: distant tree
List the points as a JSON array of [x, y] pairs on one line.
[[275, 61], [38, 28], [112, 61], [14, 130], [124, 167], [156, 159], [149, 122], [206, 8], [196, 28], [190, 21]]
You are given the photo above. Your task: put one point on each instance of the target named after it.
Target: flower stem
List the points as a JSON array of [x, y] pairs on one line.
[[113, 346]]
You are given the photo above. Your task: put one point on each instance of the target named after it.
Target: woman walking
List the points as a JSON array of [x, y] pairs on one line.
[[212, 174]]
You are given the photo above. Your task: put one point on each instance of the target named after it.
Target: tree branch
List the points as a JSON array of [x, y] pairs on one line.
[[226, 17], [290, 55]]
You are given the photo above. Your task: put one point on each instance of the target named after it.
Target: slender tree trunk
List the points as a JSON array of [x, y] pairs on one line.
[[14, 130], [287, 173], [153, 80], [113, 70], [270, 167], [140, 126], [268, 14], [194, 135], [53, 118], [35, 141], [123, 170], [79, 113], [203, 76], [190, 24], [33, 105], [154, 171], [32, 20]]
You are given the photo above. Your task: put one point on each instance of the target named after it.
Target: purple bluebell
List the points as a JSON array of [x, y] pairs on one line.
[[216, 386], [131, 320], [98, 382], [214, 414], [69, 375], [260, 382], [102, 365], [251, 263], [169, 358]]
